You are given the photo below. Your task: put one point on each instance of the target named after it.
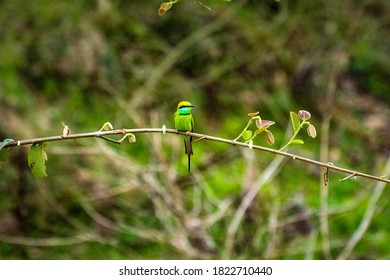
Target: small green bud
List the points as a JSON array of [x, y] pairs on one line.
[[107, 126], [131, 137]]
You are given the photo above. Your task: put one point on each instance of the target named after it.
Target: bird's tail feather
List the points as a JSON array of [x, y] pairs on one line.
[[188, 151], [188, 147]]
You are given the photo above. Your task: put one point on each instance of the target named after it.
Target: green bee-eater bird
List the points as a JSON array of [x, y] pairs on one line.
[[185, 122]]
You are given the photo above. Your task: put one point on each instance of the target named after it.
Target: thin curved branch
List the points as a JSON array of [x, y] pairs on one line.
[[100, 134]]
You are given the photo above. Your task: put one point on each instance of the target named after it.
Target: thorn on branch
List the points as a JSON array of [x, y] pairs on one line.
[[201, 138], [110, 140], [348, 177]]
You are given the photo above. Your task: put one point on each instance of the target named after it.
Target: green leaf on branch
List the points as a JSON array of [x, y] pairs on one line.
[[295, 121], [297, 141], [247, 135], [4, 152], [37, 158], [5, 142]]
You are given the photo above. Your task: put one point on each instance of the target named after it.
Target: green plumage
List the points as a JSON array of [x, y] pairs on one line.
[[185, 122]]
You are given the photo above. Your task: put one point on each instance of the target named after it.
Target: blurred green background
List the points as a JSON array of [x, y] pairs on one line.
[[88, 62]]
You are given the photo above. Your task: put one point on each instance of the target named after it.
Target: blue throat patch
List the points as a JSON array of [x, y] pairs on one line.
[[185, 110]]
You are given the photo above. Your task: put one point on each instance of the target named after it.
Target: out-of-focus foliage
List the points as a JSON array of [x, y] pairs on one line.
[[87, 62]]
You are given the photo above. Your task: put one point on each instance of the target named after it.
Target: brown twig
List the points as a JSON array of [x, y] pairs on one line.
[[99, 134]]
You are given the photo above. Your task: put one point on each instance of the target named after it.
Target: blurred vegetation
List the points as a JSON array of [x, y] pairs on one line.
[[88, 62]]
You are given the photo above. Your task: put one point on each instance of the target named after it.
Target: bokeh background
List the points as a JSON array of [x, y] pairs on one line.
[[88, 62]]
